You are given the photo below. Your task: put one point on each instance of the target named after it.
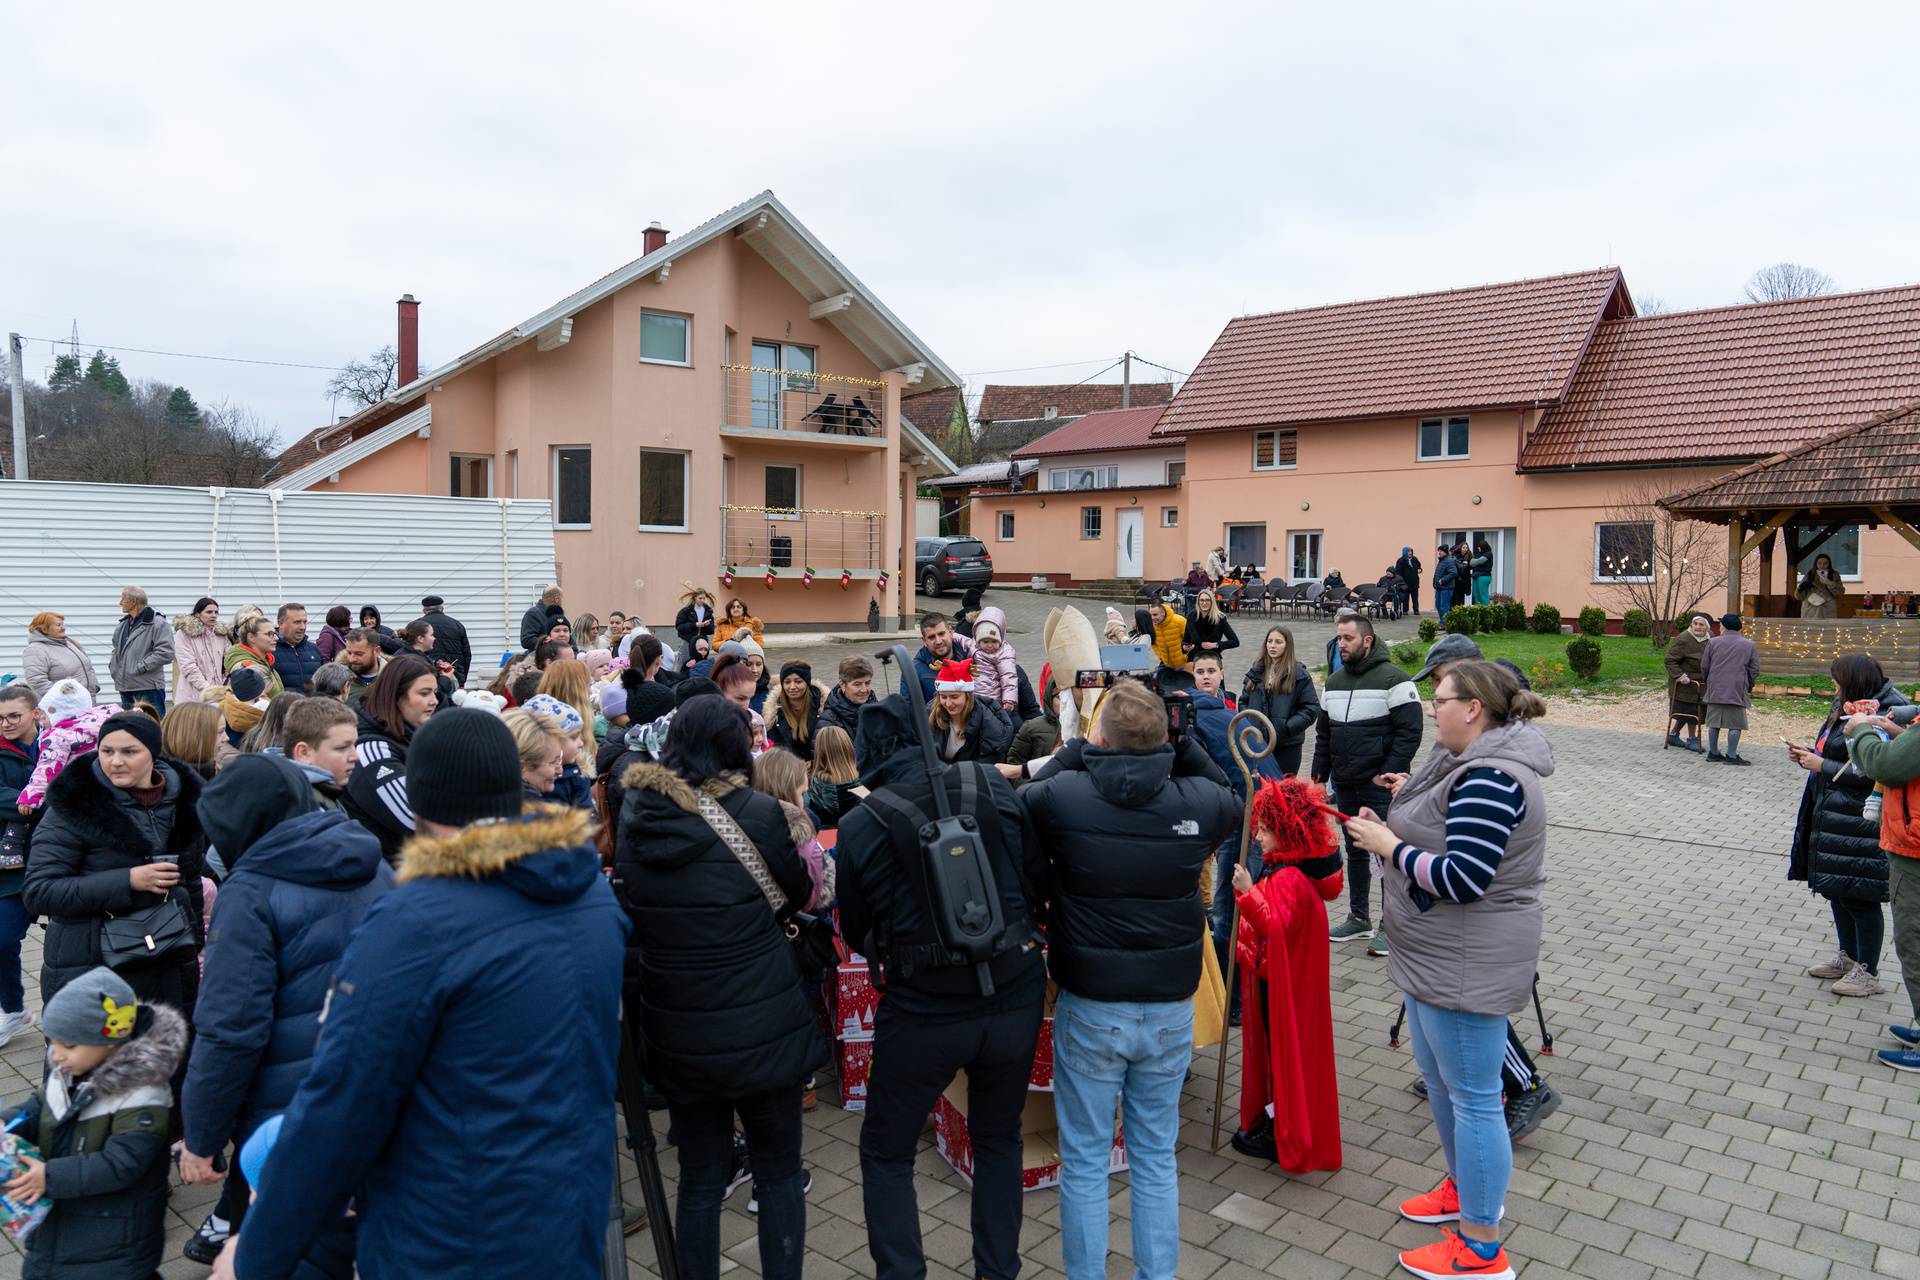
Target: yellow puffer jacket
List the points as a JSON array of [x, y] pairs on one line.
[[1166, 640]]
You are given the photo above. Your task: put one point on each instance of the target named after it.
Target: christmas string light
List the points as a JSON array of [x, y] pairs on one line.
[[812, 377]]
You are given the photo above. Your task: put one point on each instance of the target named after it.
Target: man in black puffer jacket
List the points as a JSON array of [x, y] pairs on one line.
[[933, 1022], [1128, 820]]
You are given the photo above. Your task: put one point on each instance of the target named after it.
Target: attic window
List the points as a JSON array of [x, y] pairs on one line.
[[1051, 411]]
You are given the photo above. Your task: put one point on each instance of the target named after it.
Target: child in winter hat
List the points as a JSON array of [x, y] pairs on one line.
[[996, 669], [572, 787], [71, 728]]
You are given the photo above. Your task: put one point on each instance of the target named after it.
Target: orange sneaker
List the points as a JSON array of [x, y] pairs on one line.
[[1442, 1204], [1452, 1257]]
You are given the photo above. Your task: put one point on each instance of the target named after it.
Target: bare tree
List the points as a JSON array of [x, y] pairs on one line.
[[369, 381], [1652, 306], [239, 448], [1785, 281], [1661, 565]]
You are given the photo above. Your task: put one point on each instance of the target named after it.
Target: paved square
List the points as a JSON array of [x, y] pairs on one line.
[[1723, 1115]]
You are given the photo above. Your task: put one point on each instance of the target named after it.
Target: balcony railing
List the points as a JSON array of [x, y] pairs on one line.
[[757, 538], [818, 403]]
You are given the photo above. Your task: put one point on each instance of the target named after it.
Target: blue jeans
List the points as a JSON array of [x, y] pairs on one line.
[[156, 698], [1137, 1055], [1442, 601], [13, 927], [1460, 1056]]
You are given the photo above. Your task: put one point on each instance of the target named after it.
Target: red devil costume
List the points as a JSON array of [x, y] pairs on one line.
[[1286, 1049]]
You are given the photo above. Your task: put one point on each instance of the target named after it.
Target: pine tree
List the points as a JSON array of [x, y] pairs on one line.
[[103, 375], [182, 412], [65, 375]]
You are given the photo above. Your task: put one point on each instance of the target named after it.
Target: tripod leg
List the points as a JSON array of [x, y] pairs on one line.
[[613, 1264], [646, 1158], [1546, 1037]]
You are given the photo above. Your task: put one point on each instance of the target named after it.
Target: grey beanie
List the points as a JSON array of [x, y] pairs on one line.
[[98, 1007]]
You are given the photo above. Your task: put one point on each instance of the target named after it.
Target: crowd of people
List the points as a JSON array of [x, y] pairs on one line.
[[324, 895]]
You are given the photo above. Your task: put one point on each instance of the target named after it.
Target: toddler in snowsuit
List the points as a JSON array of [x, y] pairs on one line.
[[72, 728], [996, 669]]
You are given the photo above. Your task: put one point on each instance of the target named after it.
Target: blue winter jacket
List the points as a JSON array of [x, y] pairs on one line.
[[279, 927], [926, 666], [464, 1083], [1211, 716], [296, 663]]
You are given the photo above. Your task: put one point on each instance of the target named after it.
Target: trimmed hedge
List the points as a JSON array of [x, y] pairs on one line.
[[1546, 620], [1637, 622], [1593, 621], [1429, 629], [1459, 621], [1583, 655]]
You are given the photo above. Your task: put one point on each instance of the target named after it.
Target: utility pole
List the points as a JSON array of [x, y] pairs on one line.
[[19, 380], [1126, 380]]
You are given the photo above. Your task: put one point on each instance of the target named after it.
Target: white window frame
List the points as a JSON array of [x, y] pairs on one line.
[[1276, 464], [1860, 537], [686, 490], [685, 319], [513, 472], [1446, 438], [1177, 472], [1319, 555], [553, 483], [463, 459], [799, 498], [1598, 525], [1099, 523], [1169, 517], [1003, 526]]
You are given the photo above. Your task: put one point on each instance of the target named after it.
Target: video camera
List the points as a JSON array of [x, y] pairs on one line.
[[1137, 662]]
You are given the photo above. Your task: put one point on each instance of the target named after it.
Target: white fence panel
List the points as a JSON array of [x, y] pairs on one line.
[[72, 546]]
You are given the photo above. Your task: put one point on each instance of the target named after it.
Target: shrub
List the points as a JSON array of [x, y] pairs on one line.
[[1583, 655], [1516, 616], [1546, 620], [1429, 629], [1637, 622], [1409, 654], [1458, 620], [1593, 621]]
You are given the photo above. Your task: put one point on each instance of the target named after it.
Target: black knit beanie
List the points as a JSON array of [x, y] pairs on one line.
[[141, 727], [796, 667], [648, 701], [463, 768]]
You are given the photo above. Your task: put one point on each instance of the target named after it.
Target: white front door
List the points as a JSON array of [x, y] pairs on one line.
[[1130, 550]]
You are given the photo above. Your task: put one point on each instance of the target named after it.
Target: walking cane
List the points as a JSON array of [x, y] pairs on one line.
[[1252, 738]]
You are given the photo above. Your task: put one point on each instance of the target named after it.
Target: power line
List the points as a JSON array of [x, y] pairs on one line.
[[191, 355], [1064, 364], [1143, 360]]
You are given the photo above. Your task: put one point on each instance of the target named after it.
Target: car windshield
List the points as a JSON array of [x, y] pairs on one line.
[[965, 549]]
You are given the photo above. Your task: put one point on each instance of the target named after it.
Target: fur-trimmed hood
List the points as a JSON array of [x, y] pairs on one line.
[[545, 854], [660, 780], [660, 823], [149, 1059], [190, 625], [98, 810]]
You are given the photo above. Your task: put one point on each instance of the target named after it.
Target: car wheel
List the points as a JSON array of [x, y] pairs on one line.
[[929, 585]]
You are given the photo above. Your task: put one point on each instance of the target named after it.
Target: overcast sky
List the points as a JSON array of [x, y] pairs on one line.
[[1024, 184]]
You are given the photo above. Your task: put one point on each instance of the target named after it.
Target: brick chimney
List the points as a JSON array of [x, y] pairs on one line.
[[409, 369], [653, 237]]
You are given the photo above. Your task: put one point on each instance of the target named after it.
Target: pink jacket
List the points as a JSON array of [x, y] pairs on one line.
[[996, 677], [59, 744], [196, 658]]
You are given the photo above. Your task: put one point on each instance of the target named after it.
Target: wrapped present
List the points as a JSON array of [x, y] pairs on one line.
[[18, 1219], [855, 1002], [1039, 1138], [1042, 1077], [856, 1065]]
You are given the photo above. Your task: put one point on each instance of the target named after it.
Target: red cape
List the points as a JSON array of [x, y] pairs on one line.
[[1286, 1046]]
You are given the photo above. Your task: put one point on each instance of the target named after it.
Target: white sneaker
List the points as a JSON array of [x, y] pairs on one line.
[[1834, 966], [11, 1024], [1858, 982]]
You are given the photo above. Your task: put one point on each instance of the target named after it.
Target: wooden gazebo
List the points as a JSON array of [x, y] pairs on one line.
[[1868, 475]]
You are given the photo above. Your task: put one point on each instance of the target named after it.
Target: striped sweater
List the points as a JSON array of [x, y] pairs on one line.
[[1482, 812]]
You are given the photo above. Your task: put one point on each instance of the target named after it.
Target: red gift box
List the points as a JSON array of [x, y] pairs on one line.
[[1039, 1138], [1042, 1077], [854, 1001], [856, 1065]]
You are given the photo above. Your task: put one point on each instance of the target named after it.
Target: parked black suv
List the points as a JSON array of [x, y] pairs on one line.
[[942, 564]]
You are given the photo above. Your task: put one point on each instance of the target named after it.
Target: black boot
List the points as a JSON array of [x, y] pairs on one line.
[[1257, 1142]]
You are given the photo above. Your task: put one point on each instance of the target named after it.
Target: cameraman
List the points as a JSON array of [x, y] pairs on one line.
[[1128, 820], [933, 1022]]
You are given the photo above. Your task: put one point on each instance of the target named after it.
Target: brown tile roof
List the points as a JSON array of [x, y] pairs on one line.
[[308, 448], [1070, 400], [1733, 382], [1108, 431], [1872, 463], [1477, 348], [931, 411]]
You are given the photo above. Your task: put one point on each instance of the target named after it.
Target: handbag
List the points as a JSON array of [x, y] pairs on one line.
[[810, 936], [13, 844], [151, 933]]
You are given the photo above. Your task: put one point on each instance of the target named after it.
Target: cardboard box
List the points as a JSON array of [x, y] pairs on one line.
[[1039, 1138], [855, 1002], [855, 1067]]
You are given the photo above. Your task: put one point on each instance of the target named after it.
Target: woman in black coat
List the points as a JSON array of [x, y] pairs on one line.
[[1209, 628], [119, 835], [1835, 849], [695, 621], [1292, 704], [793, 713], [727, 1025], [370, 621]]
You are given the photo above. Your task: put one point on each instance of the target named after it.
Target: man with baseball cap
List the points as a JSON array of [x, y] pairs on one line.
[[464, 1082]]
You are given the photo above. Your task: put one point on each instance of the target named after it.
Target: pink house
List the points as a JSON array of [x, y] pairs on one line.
[[730, 398]]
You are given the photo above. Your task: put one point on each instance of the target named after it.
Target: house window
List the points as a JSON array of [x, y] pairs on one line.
[[1006, 526], [664, 476], [1083, 478], [780, 367], [1051, 411], [664, 338], [783, 491], [1169, 517], [1303, 555], [1275, 450], [1623, 552], [471, 475], [1246, 544], [1176, 472], [1442, 438], [1090, 522], [1844, 547], [573, 487]]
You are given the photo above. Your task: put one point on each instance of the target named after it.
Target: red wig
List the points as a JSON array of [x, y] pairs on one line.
[[1297, 813]]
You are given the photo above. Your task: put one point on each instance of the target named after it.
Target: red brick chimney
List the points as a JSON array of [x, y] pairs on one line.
[[653, 237], [409, 369]]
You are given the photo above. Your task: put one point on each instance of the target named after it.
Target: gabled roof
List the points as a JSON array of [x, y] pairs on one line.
[[1875, 463], [766, 224], [1106, 432], [982, 473], [1490, 346], [1029, 402], [1733, 382]]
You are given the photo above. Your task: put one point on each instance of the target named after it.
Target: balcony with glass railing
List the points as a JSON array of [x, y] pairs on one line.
[[815, 407], [790, 540]]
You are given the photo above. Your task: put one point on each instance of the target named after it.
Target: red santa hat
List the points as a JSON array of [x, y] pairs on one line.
[[954, 677]]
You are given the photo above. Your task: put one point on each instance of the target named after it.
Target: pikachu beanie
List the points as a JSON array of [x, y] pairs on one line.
[[98, 1007]]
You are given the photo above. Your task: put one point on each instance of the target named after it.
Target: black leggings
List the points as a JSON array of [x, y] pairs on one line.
[[1861, 927]]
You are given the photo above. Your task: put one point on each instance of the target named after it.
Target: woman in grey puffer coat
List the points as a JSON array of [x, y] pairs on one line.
[[1465, 855]]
